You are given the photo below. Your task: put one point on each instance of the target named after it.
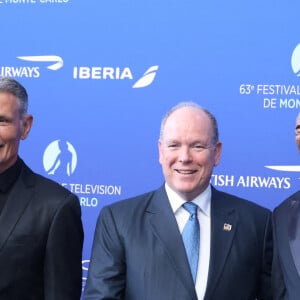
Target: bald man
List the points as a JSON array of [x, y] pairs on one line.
[[184, 240]]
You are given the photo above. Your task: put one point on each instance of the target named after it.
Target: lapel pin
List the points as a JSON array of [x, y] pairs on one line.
[[227, 227]]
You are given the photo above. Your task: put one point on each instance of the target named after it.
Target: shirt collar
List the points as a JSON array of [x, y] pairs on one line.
[[9, 176], [203, 200]]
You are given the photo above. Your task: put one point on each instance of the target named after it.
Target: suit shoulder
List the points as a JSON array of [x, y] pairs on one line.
[[55, 198], [123, 212], [241, 203], [136, 202], [50, 185], [47, 190], [288, 201]]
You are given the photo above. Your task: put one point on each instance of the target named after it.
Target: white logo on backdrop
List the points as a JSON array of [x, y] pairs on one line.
[[147, 78], [114, 73], [295, 60], [56, 60], [60, 158], [293, 168]]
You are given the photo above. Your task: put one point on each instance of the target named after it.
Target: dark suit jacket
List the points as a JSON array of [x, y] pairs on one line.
[[285, 276], [138, 252], [41, 240]]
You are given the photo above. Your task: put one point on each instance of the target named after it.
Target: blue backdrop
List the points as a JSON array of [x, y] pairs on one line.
[[101, 75]]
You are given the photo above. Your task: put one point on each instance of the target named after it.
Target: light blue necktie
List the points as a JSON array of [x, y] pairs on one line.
[[191, 237]]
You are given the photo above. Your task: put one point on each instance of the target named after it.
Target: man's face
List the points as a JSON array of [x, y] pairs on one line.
[[187, 153], [297, 132], [12, 128]]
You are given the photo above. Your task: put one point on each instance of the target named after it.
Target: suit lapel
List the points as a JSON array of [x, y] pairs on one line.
[[17, 202], [164, 226], [224, 222], [294, 229]]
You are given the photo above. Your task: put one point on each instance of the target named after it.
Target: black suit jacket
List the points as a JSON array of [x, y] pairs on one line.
[[138, 252], [285, 276], [41, 240]]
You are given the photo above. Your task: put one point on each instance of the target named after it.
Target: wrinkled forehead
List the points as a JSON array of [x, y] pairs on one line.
[[192, 115], [9, 100], [189, 124]]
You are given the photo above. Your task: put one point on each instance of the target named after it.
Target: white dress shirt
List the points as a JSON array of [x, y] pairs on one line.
[[203, 201]]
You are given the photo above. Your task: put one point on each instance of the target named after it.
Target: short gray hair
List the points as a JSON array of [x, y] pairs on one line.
[[10, 85], [191, 104]]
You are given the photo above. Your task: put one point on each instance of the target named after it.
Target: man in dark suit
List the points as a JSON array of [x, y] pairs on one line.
[[185, 240], [286, 260], [41, 231]]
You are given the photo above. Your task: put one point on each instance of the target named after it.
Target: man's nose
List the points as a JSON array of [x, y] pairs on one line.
[[185, 154]]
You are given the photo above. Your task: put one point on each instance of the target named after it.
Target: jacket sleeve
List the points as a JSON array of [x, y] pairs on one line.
[[63, 255], [107, 271]]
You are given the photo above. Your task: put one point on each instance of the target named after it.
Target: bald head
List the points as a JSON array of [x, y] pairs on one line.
[[196, 107]]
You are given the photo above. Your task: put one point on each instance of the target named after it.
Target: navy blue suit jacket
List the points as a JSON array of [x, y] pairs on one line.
[[285, 276], [138, 252], [41, 239]]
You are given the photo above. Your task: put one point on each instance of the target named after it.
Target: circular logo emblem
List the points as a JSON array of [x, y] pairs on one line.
[[60, 158]]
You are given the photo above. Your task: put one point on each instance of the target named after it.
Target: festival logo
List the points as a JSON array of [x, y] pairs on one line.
[[295, 60], [60, 158], [277, 95]]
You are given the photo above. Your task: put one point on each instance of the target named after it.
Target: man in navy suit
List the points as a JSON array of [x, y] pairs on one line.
[[41, 232], [139, 252], [286, 261]]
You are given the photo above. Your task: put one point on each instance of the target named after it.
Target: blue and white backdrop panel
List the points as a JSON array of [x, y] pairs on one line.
[[101, 74]]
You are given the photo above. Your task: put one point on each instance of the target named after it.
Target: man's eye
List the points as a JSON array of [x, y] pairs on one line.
[[200, 147], [172, 146], [3, 121]]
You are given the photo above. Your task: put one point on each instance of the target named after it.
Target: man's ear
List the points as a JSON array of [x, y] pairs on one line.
[[27, 123], [218, 150]]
